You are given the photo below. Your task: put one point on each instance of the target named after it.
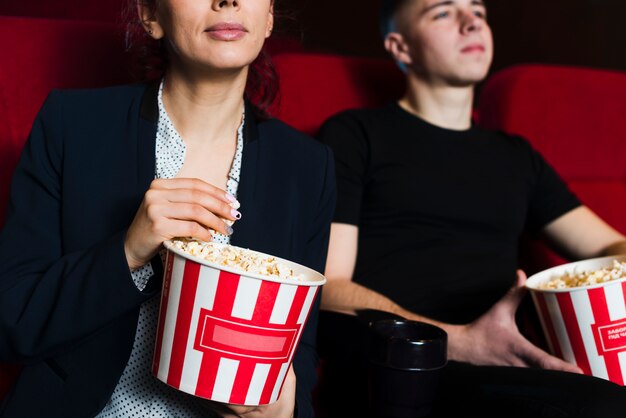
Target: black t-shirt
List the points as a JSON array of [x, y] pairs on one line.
[[439, 211]]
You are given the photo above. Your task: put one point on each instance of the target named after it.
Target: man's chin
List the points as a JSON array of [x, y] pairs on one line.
[[468, 80]]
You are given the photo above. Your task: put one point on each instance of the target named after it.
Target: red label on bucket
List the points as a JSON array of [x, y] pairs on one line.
[[612, 336], [243, 340]]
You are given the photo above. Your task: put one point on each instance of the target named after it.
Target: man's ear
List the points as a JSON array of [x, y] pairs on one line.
[[398, 48], [149, 21]]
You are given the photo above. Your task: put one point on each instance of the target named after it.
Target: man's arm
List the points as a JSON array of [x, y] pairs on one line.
[[340, 292], [580, 234], [472, 343]]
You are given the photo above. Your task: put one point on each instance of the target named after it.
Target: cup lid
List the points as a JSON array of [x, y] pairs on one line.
[[407, 345]]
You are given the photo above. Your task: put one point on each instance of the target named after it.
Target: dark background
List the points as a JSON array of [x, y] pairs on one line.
[[589, 33]]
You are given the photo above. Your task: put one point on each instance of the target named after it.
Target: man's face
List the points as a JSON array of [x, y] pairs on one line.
[[445, 41]]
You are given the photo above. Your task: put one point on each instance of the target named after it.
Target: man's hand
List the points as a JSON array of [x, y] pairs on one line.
[[494, 339]]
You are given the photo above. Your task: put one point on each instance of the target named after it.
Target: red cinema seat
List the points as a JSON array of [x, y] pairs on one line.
[[575, 118], [37, 56], [314, 87], [103, 11]]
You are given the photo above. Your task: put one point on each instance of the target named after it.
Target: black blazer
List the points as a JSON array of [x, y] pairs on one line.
[[68, 304]]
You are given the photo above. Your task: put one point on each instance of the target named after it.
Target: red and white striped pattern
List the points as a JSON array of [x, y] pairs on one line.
[[227, 337], [587, 327]]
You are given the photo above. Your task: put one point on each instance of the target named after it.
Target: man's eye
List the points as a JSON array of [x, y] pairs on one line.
[[442, 15], [479, 13]]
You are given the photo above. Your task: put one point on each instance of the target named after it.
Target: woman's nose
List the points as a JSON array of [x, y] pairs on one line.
[[220, 4]]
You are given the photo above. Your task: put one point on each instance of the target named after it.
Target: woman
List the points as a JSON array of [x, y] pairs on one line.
[[108, 175]]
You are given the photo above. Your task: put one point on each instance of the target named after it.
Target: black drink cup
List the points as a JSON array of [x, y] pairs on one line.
[[406, 360]]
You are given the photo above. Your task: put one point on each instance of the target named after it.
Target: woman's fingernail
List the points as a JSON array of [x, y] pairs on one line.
[[234, 203], [236, 214], [229, 230]]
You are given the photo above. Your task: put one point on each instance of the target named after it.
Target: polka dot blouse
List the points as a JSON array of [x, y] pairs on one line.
[[138, 393]]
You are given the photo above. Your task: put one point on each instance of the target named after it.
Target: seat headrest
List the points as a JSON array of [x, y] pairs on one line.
[[314, 87], [573, 116]]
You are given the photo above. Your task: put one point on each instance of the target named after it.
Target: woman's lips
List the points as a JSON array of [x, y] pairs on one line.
[[226, 31]]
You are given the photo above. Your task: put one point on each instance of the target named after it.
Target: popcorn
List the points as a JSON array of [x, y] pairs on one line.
[[586, 278], [237, 258]]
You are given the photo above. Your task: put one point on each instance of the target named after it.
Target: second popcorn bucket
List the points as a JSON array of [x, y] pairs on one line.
[[228, 335], [585, 325]]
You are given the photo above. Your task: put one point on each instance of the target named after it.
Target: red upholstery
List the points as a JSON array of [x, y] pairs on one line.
[[575, 118], [104, 11], [314, 87], [49, 54]]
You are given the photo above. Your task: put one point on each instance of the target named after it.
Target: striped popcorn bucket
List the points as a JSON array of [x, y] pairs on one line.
[[585, 325], [228, 336]]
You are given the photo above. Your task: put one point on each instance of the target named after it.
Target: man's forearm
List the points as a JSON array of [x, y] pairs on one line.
[[347, 296], [617, 248]]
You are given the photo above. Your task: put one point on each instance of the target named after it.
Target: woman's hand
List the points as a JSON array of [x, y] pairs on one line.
[[494, 339], [282, 408], [177, 208]]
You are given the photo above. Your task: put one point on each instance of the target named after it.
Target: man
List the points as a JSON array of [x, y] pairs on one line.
[[430, 210]]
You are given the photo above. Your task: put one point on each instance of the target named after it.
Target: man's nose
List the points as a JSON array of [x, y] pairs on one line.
[[470, 22]]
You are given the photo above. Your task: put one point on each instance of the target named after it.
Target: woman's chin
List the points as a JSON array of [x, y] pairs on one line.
[[230, 62]]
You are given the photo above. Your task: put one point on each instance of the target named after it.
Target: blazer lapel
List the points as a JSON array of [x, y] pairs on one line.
[[146, 158], [246, 230], [146, 137]]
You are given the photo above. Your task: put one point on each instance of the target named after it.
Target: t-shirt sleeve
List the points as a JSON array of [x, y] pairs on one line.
[[346, 136], [551, 197]]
